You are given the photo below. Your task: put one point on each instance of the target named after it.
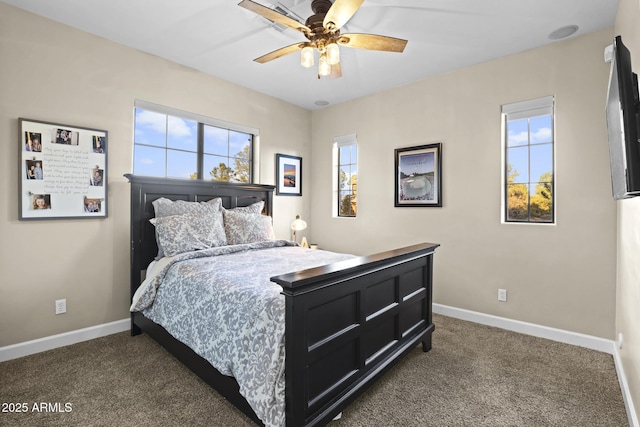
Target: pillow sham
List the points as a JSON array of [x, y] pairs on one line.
[[242, 227], [255, 208], [189, 232], [164, 207]]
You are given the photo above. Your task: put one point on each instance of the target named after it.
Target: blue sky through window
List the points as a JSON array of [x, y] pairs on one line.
[[530, 148], [167, 145], [176, 139], [348, 163]]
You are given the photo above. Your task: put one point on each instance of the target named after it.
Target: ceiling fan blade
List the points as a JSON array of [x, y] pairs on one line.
[[274, 16], [280, 52], [372, 42], [340, 12]]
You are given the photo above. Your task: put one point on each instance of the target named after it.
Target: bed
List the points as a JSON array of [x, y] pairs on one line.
[[345, 323]]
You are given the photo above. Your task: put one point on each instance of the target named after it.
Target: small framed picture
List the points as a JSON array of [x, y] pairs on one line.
[[418, 180], [288, 175]]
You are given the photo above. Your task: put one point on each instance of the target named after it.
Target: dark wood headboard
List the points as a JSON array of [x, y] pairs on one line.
[[145, 189]]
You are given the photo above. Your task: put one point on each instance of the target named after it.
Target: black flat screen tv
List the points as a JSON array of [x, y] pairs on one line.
[[623, 124]]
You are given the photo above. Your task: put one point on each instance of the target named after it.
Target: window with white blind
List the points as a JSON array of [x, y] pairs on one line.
[[345, 162], [178, 144], [528, 161]]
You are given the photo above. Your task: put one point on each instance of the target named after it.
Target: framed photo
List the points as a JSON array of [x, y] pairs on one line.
[[63, 171], [288, 175], [418, 180]]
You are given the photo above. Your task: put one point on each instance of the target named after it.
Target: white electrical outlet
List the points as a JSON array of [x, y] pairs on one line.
[[619, 340], [61, 306], [502, 294]]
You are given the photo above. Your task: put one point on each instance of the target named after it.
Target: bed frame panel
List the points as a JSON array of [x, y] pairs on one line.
[[346, 323]]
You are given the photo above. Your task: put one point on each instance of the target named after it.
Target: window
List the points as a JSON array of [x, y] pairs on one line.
[[178, 144], [227, 154], [528, 161], [345, 150]]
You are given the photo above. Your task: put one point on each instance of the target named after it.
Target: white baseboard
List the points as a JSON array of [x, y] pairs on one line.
[[567, 337], [48, 343], [626, 394]]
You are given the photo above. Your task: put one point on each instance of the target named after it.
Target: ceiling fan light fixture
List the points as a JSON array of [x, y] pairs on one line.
[[333, 53], [323, 32], [324, 68], [306, 57]]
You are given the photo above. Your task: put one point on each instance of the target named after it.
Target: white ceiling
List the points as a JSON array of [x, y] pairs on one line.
[[220, 38]]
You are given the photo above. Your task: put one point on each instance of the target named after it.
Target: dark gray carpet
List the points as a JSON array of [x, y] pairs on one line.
[[475, 375]]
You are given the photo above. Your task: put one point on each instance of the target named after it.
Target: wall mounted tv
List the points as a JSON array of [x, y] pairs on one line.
[[623, 123]]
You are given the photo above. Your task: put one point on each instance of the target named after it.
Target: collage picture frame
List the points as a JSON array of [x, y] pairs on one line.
[[63, 171]]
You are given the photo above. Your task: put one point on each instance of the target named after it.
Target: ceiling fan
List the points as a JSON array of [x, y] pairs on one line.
[[322, 31]]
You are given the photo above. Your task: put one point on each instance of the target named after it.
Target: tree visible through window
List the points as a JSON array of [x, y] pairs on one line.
[[184, 145], [227, 154], [347, 179], [529, 140]]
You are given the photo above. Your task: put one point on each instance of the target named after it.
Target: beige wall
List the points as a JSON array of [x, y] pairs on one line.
[[54, 73], [628, 286], [562, 275]]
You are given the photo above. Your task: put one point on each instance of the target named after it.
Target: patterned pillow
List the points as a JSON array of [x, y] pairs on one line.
[[189, 232], [255, 208], [165, 207], [216, 201], [242, 227]]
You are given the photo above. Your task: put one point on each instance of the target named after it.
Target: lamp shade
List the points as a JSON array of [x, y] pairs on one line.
[[306, 57], [333, 53], [324, 68], [298, 224]]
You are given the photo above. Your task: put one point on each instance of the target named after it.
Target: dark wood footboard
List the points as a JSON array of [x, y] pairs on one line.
[[349, 322]]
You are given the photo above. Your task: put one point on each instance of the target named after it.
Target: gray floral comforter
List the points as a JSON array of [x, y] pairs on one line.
[[221, 303]]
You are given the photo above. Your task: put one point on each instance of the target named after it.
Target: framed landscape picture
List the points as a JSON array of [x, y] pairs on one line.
[[288, 175], [418, 178]]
